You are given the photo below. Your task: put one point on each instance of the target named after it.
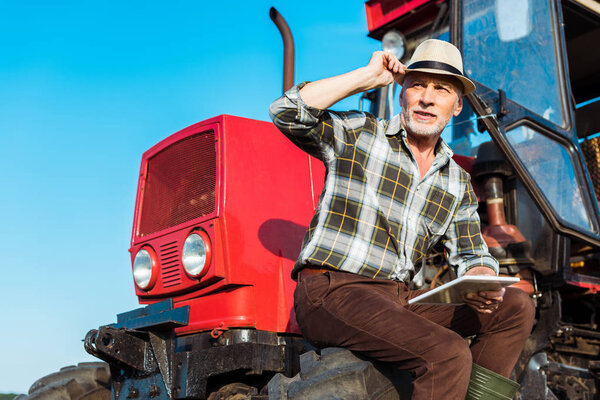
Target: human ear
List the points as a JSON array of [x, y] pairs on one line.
[[459, 106]]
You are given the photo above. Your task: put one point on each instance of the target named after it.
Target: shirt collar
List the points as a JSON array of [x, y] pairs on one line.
[[443, 146], [394, 128]]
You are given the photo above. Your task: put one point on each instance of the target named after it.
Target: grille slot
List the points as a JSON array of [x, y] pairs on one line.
[[170, 265], [180, 184]]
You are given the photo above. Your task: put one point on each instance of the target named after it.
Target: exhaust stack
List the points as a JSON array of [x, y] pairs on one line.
[[288, 48]]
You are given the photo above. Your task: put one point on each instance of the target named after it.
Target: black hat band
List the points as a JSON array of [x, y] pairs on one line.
[[435, 65]]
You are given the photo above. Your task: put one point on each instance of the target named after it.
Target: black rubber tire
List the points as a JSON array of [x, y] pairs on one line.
[[340, 374], [234, 391], [85, 381]]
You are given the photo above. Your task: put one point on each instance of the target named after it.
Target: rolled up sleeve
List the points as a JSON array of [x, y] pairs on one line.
[[463, 241], [321, 133]]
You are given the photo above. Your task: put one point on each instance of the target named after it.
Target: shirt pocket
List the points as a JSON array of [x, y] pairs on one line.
[[438, 211]]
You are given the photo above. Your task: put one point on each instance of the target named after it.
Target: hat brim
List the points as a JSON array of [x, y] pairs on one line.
[[468, 85]]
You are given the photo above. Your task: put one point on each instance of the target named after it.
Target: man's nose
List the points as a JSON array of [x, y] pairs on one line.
[[428, 96]]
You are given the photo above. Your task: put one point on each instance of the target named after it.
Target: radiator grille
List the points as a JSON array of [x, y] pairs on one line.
[[180, 184], [170, 265]]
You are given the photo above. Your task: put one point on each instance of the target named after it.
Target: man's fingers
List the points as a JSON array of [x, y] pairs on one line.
[[387, 68], [496, 295], [477, 298], [395, 65], [485, 305], [483, 302], [399, 67], [480, 309], [486, 297], [392, 63], [399, 76], [479, 304]]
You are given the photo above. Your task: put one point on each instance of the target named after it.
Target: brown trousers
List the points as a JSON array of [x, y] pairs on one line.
[[372, 317]]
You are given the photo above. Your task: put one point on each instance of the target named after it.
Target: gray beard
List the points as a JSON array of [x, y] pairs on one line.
[[419, 130]]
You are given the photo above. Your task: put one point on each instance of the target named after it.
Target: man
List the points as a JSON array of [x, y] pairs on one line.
[[391, 192]]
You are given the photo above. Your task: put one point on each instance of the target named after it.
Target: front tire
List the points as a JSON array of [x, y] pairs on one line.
[[339, 374], [85, 381]]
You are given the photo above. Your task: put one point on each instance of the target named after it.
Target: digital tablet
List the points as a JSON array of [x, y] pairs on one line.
[[451, 292]]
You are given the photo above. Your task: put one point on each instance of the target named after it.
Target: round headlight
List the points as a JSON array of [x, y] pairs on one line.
[[196, 254], [144, 272], [394, 42]]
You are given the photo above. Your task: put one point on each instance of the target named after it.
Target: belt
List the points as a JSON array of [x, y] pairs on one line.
[[307, 271]]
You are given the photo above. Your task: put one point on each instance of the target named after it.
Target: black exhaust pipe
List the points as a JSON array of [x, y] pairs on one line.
[[288, 48]]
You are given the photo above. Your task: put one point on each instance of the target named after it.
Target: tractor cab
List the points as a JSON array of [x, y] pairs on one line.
[[530, 138], [531, 116]]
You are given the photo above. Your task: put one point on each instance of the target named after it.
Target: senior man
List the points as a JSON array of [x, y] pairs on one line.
[[392, 191]]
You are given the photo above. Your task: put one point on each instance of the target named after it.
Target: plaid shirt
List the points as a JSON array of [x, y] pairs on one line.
[[375, 216]]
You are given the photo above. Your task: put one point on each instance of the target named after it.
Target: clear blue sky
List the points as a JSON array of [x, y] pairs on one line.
[[85, 88]]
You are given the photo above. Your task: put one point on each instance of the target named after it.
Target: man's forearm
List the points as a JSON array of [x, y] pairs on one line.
[[481, 271], [383, 69], [324, 93]]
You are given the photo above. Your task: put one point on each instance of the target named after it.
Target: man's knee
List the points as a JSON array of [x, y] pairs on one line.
[[463, 356], [519, 305], [454, 353], [450, 364]]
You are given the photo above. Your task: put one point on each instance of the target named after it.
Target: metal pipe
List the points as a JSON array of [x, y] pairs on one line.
[[288, 48], [494, 198]]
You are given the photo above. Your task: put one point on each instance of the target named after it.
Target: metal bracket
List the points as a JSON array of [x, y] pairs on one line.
[[160, 315], [121, 347], [502, 110], [164, 351]]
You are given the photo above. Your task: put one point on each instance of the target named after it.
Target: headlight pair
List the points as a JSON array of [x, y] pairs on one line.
[[195, 257]]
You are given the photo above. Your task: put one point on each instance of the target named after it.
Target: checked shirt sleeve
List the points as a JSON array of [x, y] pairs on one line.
[[463, 238], [321, 133]]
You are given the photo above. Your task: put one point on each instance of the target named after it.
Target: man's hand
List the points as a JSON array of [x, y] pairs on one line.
[[385, 68], [483, 302]]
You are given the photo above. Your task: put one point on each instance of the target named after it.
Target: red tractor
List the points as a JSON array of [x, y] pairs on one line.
[[222, 207]]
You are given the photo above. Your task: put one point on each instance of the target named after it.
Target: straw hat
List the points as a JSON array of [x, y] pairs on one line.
[[440, 57]]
